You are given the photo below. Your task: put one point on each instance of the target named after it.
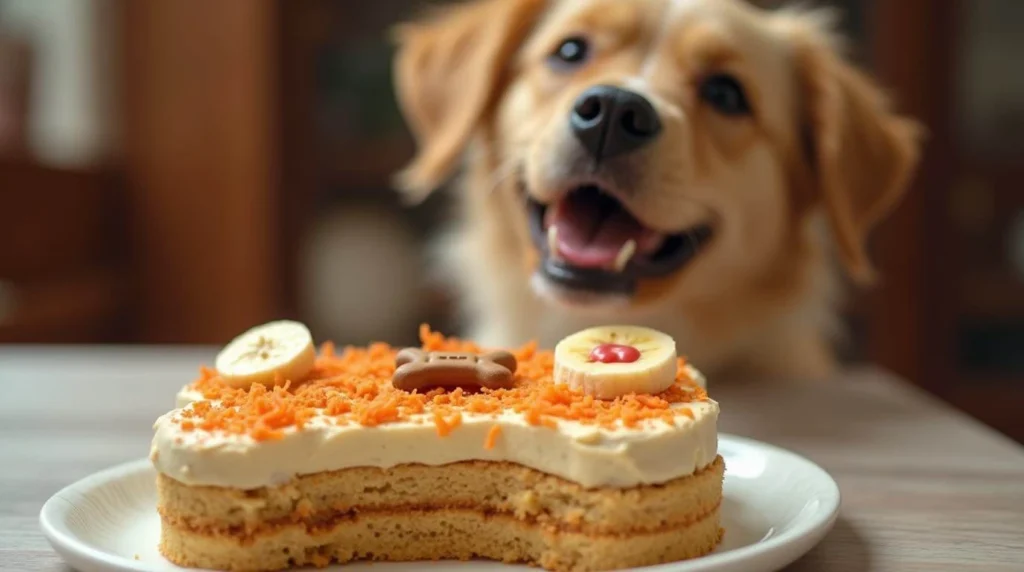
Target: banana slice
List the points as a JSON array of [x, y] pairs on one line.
[[609, 361], [276, 351]]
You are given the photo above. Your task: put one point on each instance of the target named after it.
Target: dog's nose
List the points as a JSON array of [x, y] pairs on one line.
[[610, 121]]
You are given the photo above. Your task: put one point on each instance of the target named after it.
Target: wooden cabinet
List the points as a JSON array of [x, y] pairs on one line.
[[982, 213], [65, 257]]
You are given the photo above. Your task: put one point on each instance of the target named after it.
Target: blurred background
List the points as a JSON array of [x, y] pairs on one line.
[[176, 171]]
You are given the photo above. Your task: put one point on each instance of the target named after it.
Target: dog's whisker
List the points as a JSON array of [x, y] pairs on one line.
[[691, 235], [505, 171]]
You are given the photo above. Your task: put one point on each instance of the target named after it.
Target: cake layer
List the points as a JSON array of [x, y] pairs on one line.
[[439, 534], [483, 486]]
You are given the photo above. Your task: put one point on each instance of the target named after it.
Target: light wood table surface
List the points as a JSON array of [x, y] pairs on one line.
[[924, 487]]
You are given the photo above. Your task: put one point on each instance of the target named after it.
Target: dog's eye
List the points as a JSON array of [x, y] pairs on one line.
[[725, 94], [571, 52]]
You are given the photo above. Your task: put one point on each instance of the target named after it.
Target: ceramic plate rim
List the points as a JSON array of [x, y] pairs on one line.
[[52, 519]]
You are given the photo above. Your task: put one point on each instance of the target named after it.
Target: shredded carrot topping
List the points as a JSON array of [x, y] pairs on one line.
[[492, 437], [354, 386]]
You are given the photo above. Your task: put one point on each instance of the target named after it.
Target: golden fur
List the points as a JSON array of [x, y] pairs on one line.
[[790, 190]]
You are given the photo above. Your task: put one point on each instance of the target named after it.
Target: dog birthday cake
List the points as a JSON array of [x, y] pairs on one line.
[[599, 454]]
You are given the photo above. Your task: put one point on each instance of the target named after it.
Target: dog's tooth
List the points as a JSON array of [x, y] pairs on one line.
[[625, 253], [549, 215], [553, 242]]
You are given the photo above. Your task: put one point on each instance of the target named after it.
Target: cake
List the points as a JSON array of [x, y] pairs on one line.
[[599, 454]]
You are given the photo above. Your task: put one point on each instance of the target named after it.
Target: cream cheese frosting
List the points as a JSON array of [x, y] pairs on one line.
[[187, 395], [651, 452]]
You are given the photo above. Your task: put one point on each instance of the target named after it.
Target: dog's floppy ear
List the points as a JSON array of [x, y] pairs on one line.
[[862, 154], [447, 73]]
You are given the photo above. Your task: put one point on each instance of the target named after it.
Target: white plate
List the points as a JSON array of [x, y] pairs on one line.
[[777, 506]]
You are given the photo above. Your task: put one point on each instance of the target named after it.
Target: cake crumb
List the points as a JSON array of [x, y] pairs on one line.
[[137, 557], [575, 516], [528, 504], [303, 509]]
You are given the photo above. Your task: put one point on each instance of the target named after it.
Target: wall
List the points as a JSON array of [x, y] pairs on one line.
[[73, 103]]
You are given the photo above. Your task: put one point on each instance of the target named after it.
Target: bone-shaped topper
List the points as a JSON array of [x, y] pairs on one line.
[[419, 370]]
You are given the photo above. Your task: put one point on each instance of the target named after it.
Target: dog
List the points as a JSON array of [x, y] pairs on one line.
[[707, 168]]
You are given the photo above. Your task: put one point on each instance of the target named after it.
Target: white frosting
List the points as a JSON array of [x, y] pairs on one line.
[[187, 395], [652, 452]]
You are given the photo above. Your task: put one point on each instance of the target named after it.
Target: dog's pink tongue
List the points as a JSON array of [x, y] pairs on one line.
[[590, 236]]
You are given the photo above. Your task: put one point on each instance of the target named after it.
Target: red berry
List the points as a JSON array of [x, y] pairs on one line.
[[614, 353]]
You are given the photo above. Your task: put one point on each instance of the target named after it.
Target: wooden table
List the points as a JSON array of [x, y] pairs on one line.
[[924, 488]]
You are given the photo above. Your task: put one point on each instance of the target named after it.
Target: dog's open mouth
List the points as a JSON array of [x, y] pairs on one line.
[[590, 241]]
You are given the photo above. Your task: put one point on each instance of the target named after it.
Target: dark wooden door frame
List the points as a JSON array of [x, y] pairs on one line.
[[201, 160]]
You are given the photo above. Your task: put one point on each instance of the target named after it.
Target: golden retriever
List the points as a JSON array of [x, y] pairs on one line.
[[704, 167]]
